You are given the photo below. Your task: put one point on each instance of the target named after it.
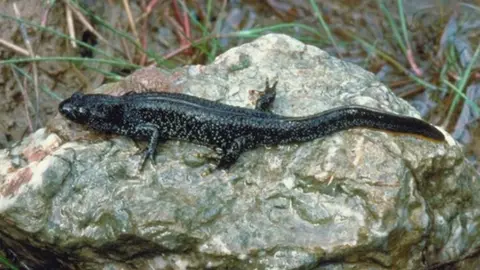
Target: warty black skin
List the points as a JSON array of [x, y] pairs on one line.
[[158, 117]]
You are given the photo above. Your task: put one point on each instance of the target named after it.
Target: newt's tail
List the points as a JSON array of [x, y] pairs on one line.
[[331, 121]]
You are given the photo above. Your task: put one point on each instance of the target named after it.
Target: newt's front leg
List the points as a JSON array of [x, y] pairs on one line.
[[153, 132]]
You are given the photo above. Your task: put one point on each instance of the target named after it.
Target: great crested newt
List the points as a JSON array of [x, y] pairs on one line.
[[159, 116]]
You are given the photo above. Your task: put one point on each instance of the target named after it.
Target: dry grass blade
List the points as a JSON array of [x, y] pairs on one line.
[[26, 99], [34, 67], [126, 5], [85, 22], [14, 47], [410, 55], [70, 27]]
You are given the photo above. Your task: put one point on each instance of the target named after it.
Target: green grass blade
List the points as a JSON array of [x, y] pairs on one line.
[[394, 63], [255, 32], [68, 59], [324, 25], [472, 104], [109, 75], [460, 87], [403, 24], [203, 47], [7, 264], [42, 86], [393, 26]]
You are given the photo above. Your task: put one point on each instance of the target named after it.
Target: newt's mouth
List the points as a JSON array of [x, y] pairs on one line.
[[67, 109]]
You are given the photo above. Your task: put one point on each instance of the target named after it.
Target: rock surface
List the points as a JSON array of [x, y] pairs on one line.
[[357, 199]]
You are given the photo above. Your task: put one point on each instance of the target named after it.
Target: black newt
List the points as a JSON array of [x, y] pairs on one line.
[[158, 117]]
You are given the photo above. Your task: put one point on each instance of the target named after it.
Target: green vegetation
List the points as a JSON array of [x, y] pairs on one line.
[[439, 57]]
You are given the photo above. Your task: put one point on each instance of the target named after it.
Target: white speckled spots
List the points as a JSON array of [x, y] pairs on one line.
[[234, 129]]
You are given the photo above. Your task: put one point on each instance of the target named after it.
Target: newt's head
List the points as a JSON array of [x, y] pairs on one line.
[[94, 110], [74, 108]]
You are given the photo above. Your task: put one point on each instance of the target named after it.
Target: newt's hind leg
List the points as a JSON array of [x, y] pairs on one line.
[[264, 103]]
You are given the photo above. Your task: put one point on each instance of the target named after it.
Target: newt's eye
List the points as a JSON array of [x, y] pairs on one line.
[[77, 95], [82, 110]]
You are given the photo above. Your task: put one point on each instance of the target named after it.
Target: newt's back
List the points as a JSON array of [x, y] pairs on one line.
[[162, 116]]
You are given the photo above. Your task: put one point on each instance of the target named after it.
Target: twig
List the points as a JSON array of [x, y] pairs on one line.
[[189, 45], [177, 28], [410, 57], [71, 28], [144, 34], [201, 14], [14, 47], [130, 20], [177, 51], [123, 43], [43, 22], [411, 61], [186, 26], [34, 67], [184, 34], [144, 39], [150, 6], [197, 41], [26, 99], [85, 22]]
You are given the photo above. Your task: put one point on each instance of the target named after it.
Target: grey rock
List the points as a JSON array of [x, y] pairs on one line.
[[357, 199]]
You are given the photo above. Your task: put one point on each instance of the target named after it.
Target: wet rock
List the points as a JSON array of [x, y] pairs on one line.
[[356, 199]]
